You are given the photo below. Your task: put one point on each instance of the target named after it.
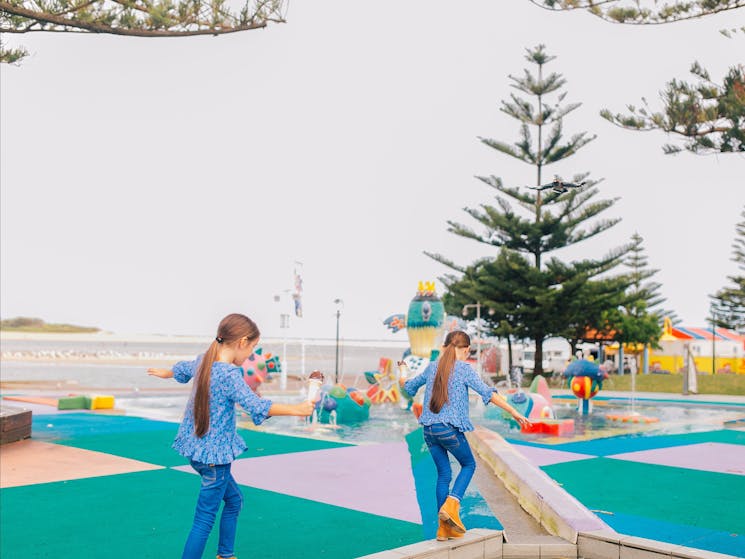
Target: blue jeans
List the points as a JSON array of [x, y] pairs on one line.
[[442, 438], [217, 485]]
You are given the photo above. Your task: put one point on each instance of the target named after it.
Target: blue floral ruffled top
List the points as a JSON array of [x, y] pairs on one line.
[[455, 411], [222, 443]]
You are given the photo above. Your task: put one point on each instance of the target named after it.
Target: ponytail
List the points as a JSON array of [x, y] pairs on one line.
[[202, 396], [445, 366], [231, 329]]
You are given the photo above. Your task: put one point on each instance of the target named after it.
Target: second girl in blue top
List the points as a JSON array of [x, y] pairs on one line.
[[445, 419]]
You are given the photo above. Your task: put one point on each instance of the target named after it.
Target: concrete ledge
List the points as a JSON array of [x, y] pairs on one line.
[[476, 544], [604, 545], [553, 508], [490, 544]]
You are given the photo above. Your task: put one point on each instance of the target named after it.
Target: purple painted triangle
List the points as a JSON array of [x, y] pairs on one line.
[[724, 458], [376, 478]]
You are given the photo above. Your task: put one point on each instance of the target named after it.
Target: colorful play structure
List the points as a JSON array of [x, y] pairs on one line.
[[686, 347], [720, 349], [339, 405], [537, 405], [258, 366], [384, 383], [585, 379], [424, 323]]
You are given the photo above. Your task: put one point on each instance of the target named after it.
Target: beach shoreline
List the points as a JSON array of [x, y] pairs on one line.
[[104, 337]]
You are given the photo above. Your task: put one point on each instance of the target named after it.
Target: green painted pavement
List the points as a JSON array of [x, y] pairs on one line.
[[148, 515], [155, 446], [680, 495]]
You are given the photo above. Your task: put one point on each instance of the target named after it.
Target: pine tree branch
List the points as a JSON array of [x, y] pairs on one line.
[[137, 18], [630, 12]]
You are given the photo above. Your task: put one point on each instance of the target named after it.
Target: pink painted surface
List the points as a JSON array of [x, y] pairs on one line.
[[546, 456], [29, 462], [376, 479], [711, 457]]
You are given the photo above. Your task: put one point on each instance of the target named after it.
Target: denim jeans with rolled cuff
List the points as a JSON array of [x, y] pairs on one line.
[[441, 439], [218, 485]]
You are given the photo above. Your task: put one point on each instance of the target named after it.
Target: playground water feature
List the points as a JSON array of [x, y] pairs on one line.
[[390, 423]]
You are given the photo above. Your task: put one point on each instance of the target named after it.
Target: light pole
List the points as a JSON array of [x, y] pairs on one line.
[[339, 303], [284, 324], [476, 306], [713, 341]]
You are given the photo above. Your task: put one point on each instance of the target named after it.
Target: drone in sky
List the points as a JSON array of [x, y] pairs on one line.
[[558, 185]]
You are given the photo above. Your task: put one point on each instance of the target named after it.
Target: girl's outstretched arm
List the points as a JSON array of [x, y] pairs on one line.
[[303, 409], [161, 373], [499, 400]]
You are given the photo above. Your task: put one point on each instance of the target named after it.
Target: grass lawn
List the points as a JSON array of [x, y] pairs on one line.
[[707, 384]]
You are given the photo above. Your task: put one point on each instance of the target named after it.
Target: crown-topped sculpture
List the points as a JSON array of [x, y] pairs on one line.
[[426, 288]]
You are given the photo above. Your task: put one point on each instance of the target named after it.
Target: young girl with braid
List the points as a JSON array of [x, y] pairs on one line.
[[207, 435], [445, 419]]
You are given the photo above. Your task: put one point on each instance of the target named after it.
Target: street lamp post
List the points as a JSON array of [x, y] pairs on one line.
[[338, 303], [476, 306], [284, 324], [713, 342]]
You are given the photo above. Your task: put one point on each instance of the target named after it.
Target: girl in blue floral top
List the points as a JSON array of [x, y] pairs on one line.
[[207, 435], [445, 419]]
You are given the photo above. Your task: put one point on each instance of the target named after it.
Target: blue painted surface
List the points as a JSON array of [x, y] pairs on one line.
[[634, 443], [475, 512], [680, 534], [677, 401], [73, 425]]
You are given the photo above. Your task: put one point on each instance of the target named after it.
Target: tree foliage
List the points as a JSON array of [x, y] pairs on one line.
[[728, 304], [529, 297], [138, 18], [642, 287], [710, 116], [643, 13]]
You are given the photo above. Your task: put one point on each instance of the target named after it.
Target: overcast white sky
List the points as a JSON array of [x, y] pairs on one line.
[[154, 185]]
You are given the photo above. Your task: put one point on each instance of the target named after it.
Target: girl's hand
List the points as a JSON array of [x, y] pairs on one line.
[[161, 373], [305, 408], [521, 419]]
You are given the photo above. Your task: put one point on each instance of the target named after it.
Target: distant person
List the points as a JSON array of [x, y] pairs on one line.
[[207, 435], [609, 365], [632, 365], [445, 419]]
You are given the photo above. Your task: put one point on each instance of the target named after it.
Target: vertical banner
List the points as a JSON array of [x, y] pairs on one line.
[[297, 297], [297, 294]]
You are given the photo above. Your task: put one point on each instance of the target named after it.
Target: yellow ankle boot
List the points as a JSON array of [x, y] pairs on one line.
[[449, 512], [443, 531]]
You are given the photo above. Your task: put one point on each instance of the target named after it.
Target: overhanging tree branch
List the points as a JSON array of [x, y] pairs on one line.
[[709, 115], [135, 18]]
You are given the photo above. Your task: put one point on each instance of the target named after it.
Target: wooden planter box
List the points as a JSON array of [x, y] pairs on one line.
[[15, 424]]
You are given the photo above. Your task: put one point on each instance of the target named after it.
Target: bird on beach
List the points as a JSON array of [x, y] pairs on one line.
[[558, 186]]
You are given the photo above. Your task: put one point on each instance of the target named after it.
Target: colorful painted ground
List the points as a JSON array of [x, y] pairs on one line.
[[90, 484], [686, 489]]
